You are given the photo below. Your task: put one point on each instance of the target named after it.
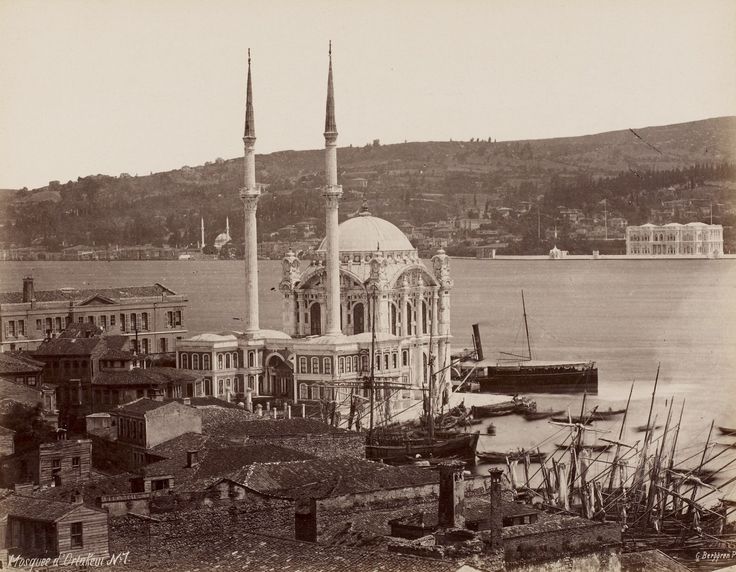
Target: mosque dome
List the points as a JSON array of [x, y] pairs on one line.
[[366, 233], [221, 240]]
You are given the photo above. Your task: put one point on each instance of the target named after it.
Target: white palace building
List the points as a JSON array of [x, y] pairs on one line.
[[673, 239], [365, 300]]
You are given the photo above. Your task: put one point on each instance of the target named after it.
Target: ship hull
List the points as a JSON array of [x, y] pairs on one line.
[[461, 446], [538, 379]]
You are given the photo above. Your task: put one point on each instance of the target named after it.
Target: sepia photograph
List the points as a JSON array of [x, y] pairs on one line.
[[373, 286]]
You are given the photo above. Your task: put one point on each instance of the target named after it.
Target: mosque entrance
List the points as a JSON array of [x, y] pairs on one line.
[[315, 319], [358, 319], [278, 378]]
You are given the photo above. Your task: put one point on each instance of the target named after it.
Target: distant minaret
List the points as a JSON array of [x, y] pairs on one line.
[[227, 226], [249, 195], [332, 193], [202, 234]]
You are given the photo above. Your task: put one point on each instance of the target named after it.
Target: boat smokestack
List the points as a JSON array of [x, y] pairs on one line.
[[477, 343]]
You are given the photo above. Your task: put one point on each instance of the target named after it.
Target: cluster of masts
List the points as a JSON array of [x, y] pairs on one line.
[[646, 486]]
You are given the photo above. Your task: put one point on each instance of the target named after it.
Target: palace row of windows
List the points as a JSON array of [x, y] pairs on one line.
[[342, 394], [350, 364], [128, 322], [223, 360]]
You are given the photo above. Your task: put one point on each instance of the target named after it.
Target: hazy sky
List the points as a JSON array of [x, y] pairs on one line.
[[137, 86]]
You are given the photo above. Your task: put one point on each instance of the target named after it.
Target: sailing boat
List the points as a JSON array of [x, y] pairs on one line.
[[522, 373], [398, 446]]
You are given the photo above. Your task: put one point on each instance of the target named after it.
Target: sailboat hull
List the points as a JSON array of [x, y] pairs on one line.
[[462, 446]]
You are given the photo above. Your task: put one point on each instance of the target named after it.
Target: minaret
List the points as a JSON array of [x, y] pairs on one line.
[[249, 195], [202, 233], [332, 193], [227, 226]]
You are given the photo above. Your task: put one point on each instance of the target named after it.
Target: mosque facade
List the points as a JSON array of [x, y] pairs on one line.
[[365, 308]]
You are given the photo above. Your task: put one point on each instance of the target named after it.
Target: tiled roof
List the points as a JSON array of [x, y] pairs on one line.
[[116, 354], [123, 293], [91, 488], [547, 523], [70, 344], [241, 426], [147, 376], [211, 401], [332, 477], [476, 508], [10, 364], [34, 508], [221, 420], [217, 459], [141, 406]]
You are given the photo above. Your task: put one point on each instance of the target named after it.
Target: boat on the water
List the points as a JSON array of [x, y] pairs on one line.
[[460, 445], [497, 457], [516, 405], [518, 373], [731, 432], [584, 420], [536, 415], [643, 428], [598, 448]]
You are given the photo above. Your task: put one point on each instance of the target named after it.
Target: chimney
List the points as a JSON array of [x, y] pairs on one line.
[[477, 343], [451, 508], [305, 519], [28, 293], [192, 459], [496, 519]]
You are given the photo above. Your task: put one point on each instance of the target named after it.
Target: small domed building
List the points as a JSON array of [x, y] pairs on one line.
[[366, 307]]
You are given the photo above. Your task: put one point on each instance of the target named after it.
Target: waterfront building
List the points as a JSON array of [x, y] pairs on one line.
[[365, 305], [673, 239], [151, 316]]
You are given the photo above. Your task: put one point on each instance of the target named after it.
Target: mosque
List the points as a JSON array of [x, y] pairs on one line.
[[365, 306]]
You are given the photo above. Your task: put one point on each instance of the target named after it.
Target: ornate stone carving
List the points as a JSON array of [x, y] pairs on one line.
[[441, 267], [289, 272]]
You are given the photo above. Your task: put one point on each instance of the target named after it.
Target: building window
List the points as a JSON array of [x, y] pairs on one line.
[[91, 319], [302, 365], [144, 320], [49, 325], [146, 346], [10, 329], [315, 391], [340, 365], [327, 365], [56, 463], [348, 365], [169, 319], [103, 322], [184, 361], [405, 358], [315, 365], [355, 364], [219, 361], [251, 359], [77, 539], [122, 322], [385, 361], [395, 357], [75, 463], [207, 386], [378, 361], [303, 393], [177, 318], [21, 327], [220, 387], [227, 361], [364, 362], [112, 320], [162, 345], [206, 361], [133, 322], [195, 361], [39, 325], [81, 319], [235, 359]]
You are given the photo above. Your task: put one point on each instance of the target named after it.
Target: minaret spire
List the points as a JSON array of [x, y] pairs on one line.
[[330, 125], [332, 193], [250, 124], [249, 195]]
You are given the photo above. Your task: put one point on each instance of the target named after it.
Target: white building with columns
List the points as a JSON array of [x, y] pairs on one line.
[[365, 308], [674, 239]]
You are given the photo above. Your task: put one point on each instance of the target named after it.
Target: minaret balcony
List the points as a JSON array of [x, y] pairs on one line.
[[332, 191]]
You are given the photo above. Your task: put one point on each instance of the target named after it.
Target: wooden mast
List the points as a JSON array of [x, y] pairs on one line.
[[526, 326], [614, 464]]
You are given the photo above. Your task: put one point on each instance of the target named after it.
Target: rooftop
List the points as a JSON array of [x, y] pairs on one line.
[[35, 508], [147, 376], [141, 406], [218, 423], [80, 341], [366, 233], [80, 295], [11, 364]]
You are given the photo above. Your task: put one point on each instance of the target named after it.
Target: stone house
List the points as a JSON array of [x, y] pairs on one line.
[[50, 464]]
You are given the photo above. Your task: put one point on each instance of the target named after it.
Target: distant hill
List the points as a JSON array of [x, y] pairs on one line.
[[416, 181]]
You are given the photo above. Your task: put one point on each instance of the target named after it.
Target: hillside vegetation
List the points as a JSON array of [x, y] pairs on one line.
[[415, 182]]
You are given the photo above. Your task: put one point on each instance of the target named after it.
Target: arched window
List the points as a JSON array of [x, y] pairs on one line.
[[303, 392], [341, 365], [327, 365], [195, 361], [219, 361], [235, 359], [424, 318], [348, 365], [395, 357], [315, 319], [378, 361], [424, 362], [184, 361], [408, 318], [206, 361], [355, 364], [251, 359], [144, 320], [385, 361], [302, 365], [364, 361], [392, 317], [315, 365], [358, 318], [315, 391], [227, 361]]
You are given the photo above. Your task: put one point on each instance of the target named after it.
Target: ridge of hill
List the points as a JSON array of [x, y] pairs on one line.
[[413, 181]]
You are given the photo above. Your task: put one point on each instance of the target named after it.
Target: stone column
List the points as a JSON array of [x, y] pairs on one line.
[[451, 506], [496, 516]]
